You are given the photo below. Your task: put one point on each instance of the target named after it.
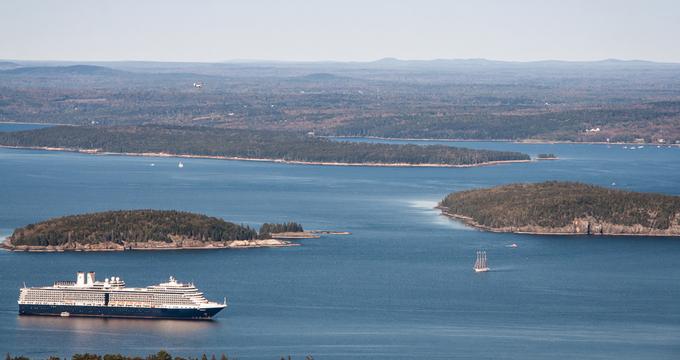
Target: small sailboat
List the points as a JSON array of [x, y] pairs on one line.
[[180, 165], [481, 264]]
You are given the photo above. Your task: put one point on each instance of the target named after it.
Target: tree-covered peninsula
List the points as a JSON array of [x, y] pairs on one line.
[[565, 208], [248, 144], [142, 229]]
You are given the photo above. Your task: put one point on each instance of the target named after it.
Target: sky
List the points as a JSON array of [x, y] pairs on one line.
[[339, 30]]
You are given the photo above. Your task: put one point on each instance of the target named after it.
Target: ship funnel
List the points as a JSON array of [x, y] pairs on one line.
[[90, 278], [80, 278]]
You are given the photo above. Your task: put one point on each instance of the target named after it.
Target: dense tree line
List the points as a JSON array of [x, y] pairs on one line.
[[268, 228], [125, 226], [254, 144], [557, 204], [650, 121]]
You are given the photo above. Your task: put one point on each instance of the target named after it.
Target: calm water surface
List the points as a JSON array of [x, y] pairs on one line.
[[401, 286]]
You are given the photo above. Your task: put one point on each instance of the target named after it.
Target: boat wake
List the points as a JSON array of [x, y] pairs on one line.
[[502, 269], [422, 204], [4, 236], [429, 207]]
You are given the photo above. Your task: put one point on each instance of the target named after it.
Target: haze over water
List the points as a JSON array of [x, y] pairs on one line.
[[401, 286]]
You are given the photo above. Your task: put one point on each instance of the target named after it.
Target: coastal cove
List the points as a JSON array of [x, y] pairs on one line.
[[400, 287]]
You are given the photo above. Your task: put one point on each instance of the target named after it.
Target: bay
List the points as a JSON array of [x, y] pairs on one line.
[[400, 286]]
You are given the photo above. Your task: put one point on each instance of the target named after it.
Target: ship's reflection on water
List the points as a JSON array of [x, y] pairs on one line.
[[93, 326]]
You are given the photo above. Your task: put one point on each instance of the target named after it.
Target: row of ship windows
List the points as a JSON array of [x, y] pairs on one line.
[[85, 294], [48, 295], [65, 296]]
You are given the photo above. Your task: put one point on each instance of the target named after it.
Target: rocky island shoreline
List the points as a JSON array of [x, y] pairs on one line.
[[565, 208], [126, 230]]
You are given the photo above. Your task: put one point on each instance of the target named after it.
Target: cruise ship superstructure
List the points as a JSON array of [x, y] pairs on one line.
[[110, 298]]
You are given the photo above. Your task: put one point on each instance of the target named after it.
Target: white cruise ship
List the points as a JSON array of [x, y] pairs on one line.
[[110, 298]]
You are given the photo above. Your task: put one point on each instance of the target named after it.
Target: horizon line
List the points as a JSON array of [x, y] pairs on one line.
[[242, 60]]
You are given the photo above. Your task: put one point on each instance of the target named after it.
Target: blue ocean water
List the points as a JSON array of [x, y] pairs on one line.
[[5, 127], [400, 287]]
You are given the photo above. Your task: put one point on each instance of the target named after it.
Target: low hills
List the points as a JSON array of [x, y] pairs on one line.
[[63, 70]]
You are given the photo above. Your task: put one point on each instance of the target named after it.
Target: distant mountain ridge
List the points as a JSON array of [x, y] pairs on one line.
[[4, 65], [316, 77], [63, 70], [387, 62]]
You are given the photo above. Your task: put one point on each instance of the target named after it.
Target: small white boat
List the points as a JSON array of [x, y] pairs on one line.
[[513, 245], [640, 147], [152, 164], [481, 264], [180, 165], [65, 314]]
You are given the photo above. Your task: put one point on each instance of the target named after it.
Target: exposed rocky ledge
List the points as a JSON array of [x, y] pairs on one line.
[[152, 245]]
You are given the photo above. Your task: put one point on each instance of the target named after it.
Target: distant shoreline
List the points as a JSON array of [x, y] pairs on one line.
[[522, 141], [277, 240], [35, 123], [279, 161], [241, 244]]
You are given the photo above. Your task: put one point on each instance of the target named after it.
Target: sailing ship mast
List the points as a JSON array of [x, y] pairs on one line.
[[481, 264]]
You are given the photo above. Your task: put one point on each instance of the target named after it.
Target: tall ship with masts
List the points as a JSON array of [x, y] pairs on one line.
[[111, 298], [481, 264]]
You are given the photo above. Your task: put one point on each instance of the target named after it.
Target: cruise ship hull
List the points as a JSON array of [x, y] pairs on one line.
[[119, 312]]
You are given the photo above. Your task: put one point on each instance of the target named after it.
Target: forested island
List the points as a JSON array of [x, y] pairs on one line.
[[565, 208], [145, 229], [247, 145]]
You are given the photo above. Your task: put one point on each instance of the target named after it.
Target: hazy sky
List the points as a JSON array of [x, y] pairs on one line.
[[184, 30]]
